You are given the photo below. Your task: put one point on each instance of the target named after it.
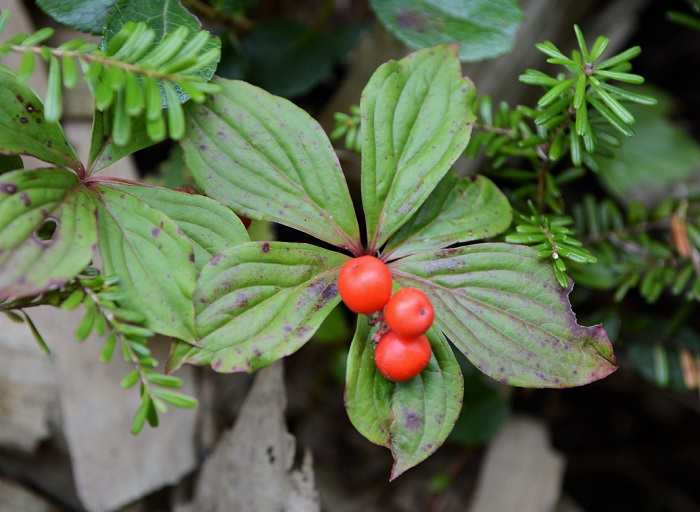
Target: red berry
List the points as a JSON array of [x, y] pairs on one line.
[[364, 284], [244, 220], [399, 358], [409, 313]]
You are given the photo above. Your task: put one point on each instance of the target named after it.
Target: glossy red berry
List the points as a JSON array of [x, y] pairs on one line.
[[409, 313], [364, 284], [400, 359]]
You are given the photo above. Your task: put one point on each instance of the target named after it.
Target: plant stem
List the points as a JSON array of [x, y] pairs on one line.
[[107, 61]]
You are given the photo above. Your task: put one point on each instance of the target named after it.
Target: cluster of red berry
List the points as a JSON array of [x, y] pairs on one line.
[[403, 350]]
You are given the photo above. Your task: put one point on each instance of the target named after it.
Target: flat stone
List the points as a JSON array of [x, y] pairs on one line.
[[251, 467], [111, 467], [27, 388], [520, 470]]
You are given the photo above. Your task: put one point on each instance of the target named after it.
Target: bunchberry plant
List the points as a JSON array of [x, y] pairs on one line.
[[185, 262]]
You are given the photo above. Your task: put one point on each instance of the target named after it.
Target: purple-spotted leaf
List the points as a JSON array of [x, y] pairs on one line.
[[412, 418], [47, 230], [23, 129], [153, 259], [266, 158], [504, 309], [210, 226], [416, 121], [260, 301], [484, 28], [459, 210]]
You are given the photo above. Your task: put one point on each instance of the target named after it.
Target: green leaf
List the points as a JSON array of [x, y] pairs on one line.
[[416, 120], [601, 44], [553, 94], [85, 326], [411, 418], [108, 348], [167, 381], [153, 259], [53, 104], [82, 15], [266, 158], [36, 334], [581, 43], [141, 413], [129, 379], [23, 128], [163, 18], [506, 312], [459, 210], [174, 398], [210, 226], [258, 302], [484, 28], [624, 56], [47, 230]]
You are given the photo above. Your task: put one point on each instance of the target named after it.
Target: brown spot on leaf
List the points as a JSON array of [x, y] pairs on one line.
[[265, 248], [155, 232], [25, 199], [412, 20], [20, 98], [8, 188], [23, 120], [216, 259], [187, 189], [413, 421]]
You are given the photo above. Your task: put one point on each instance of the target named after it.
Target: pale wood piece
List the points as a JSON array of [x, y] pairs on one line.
[[520, 472], [250, 469]]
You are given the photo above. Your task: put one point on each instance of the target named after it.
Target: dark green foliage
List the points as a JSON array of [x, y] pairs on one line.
[[137, 74]]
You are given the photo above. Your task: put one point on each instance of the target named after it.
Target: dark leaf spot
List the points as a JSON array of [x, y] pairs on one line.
[[25, 199], [265, 248], [8, 188], [271, 454], [216, 259], [23, 120], [155, 232], [413, 421]]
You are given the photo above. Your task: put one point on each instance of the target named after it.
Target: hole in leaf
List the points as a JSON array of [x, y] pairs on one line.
[[46, 230]]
